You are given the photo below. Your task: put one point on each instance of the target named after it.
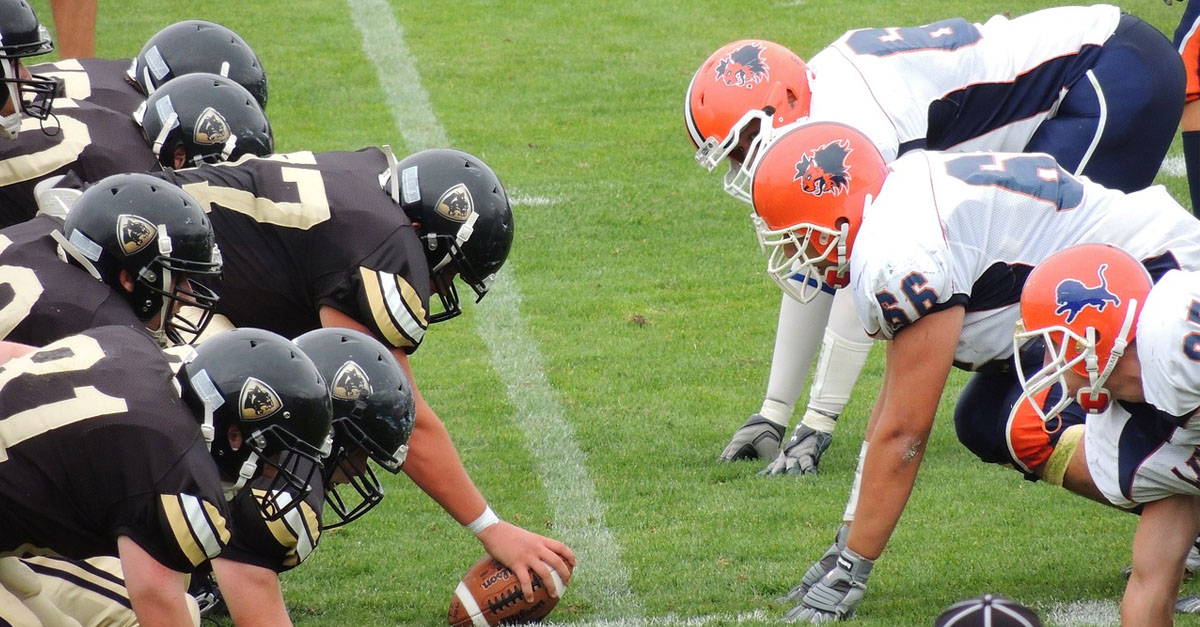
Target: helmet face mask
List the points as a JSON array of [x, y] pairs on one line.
[[746, 89], [810, 187], [137, 228], [1083, 303], [262, 387], [21, 36], [374, 417], [463, 219]]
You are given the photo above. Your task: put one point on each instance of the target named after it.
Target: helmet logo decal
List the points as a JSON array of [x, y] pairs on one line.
[[350, 383], [257, 400], [134, 233], [744, 67], [456, 203], [211, 128], [1072, 296], [824, 170]]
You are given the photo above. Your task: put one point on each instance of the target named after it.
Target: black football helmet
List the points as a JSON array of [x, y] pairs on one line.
[[271, 391], [157, 233], [198, 46], [372, 414], [463, 218], [22, 35], [213, 118]]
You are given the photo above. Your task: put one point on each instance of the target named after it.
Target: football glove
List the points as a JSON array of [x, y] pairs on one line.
[[819, 568], [757, 439], [801, 454], [837, 595]]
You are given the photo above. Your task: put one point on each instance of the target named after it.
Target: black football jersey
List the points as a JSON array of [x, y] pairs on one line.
[[303, 230], [103, 82], [89, 140], [97, 444], [43, 298], [278, 545]]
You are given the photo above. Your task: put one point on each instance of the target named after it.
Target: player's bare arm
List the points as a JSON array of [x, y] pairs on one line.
[[1165, 532], [433, 464], [252, 594], [155, 591], [918, 362]]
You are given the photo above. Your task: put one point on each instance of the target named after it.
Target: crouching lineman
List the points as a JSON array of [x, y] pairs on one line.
[[935, 248], [1128, 352], [109, 452]]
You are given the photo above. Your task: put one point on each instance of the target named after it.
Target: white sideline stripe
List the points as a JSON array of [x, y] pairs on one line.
[[669, 620], [578, 513], [1174, 166], [1084, 614], [520, 199]]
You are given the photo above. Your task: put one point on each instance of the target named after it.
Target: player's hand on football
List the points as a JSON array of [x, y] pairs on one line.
[[757, 439], [801, 454], [819, 568], [836, 595], [527, 554]]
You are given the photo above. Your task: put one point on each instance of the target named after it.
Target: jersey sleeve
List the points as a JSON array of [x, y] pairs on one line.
[[897, 285], [278, 545], [183, 523], [1168, 346]]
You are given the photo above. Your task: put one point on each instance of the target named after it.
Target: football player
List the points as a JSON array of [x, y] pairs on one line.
[[185, 47], [934, 248], [1126, 349], [196, 118], [373, 409], [358, 240], [1187, 41], [25, 95], [1099, 90], [128, 254], [108, 452]]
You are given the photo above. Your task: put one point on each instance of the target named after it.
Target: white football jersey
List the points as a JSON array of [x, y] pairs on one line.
[[1139, 457], [954, 85], [1168, 346], [967, 228]]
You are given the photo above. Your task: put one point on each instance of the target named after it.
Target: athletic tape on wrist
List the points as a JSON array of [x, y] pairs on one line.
[[485, 520]]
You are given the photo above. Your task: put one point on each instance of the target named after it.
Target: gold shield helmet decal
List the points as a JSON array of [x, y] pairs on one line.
[[257, 400], [456, 203], [350, 383], [134, 233], [211, 128]]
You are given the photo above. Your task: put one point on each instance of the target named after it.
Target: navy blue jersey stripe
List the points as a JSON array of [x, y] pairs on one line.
[[981, 108], [999, 286], [1150, 430]]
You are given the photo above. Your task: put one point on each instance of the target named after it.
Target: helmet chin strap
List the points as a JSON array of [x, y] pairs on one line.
[[166, 310], [1094, 398], [839, 275], [245, 474]]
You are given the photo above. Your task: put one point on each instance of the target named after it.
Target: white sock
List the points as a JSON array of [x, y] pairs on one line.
[[796, 341]]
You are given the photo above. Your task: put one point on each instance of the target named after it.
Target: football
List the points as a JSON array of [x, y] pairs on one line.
[[489, 594]]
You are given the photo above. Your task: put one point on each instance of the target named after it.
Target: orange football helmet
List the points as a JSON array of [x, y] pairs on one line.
[[809, 191], [1083, 302], [743, 83]]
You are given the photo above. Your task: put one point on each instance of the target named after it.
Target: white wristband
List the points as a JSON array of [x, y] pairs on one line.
[[485, 520]]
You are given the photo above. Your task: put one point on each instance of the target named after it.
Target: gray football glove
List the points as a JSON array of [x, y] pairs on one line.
[[837, 595], [819, 568], [757, 439], [801, 454], [1188, 605]]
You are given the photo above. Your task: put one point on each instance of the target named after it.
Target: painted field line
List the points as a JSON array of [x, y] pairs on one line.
[[578, 513], [670, 620], [1083, 614], [1174, 166]]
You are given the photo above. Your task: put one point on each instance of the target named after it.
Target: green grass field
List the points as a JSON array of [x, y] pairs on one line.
[[644, 323]]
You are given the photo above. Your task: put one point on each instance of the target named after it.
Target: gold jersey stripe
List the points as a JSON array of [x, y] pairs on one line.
[[395, 307], [298, 530], [198, 537]]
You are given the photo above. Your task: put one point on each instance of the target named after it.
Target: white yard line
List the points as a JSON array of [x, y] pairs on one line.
[[1083, 614], [1174, 166], [670, 620], [604, 580]]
